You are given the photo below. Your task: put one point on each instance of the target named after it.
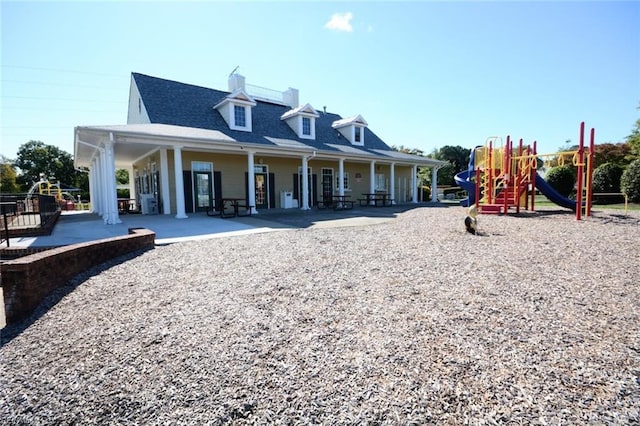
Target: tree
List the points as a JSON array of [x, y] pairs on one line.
[[634, 139], [446, 174], [122, 177], [619, 153], [456, 155], [562, 179], [405, 150], [630, 181], [35, 159], [8, 176]]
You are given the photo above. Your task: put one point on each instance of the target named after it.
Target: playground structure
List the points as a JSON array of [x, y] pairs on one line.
[[63, 198], [500, 177]]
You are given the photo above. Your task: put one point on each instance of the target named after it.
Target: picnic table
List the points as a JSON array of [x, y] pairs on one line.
[[340, 202], [229, 207], [377, 199]]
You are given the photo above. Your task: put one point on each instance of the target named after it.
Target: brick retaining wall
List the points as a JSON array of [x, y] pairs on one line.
[[26, 281]]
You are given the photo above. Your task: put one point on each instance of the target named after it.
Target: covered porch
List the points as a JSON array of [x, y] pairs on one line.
[[162, 160]]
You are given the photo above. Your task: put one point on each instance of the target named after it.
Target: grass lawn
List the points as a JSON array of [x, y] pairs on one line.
[[541, 200]]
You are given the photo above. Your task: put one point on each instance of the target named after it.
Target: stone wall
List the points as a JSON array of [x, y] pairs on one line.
[[26, 281]]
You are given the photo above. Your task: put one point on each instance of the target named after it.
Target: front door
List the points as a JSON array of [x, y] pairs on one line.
[[203, 189], [327, 186], [262, 191]]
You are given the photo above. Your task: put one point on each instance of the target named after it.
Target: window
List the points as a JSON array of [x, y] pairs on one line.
[[239, 116], [380, 182], [346, 182], [199, 166], [306, 126], [356, 136]]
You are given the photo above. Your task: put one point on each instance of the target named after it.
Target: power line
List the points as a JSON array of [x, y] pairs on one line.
[[62, 70], [6, 107], [42, 83], [57, 99]]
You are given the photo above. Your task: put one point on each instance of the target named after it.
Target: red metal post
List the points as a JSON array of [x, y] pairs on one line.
[[580, 172]]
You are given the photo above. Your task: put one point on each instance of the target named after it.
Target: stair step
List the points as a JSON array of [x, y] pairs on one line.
[[491, 208]]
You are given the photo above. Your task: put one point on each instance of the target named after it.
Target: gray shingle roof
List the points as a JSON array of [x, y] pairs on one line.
[[180, 104]]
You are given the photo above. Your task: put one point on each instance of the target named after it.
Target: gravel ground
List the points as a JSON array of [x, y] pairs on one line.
[[411, 321]]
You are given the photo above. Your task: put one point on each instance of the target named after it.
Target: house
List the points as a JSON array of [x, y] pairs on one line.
[[186, 146]]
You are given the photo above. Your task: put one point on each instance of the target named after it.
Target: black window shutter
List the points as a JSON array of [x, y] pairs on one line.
[[272, 190], [217, 189], [314, 183], [188, 194]]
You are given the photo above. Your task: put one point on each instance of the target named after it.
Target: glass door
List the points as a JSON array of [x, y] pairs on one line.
[[203, 189], [261, 191], [327, 186]]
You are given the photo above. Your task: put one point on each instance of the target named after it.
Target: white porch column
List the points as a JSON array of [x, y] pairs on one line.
[[110, 197], [94, 185], [340, 177], [101, 181], [434, 184], [132, 183], [372, 177], [392, 183], [251, 178], [305, 183], [164, 182], [179, 181], [414, 184]]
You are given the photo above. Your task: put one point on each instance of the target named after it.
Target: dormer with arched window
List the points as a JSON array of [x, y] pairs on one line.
[[302, 120], [352, 128]]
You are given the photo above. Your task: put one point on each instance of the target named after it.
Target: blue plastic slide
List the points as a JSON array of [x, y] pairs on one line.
[[463, 180], [553, 195]]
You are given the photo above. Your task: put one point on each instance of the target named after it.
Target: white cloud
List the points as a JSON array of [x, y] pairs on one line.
[[340, 22]]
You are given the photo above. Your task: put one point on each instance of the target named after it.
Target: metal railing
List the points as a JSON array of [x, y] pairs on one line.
[[25, 212]]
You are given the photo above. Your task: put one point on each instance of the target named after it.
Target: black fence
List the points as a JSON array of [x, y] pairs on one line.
[[20, 213]]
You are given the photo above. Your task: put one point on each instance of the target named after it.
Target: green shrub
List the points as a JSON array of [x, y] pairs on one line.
[[562, 179], [630, 181], [606, 178]]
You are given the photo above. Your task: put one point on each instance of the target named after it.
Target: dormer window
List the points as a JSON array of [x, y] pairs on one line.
[[352, 129], [302, 121], [239, 116], [306, 126], [235, 108]]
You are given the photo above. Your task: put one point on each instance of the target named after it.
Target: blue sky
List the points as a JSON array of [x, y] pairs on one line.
[[423, 74]]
